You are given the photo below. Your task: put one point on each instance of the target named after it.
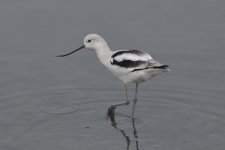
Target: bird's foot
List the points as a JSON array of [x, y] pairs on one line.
[[111, 111], [111, 114]]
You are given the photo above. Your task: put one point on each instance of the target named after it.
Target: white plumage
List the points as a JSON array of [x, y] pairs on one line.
[[130, 66], [132, 56]]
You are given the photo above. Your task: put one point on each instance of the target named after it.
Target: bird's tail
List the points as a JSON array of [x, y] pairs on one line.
[[163, 67]]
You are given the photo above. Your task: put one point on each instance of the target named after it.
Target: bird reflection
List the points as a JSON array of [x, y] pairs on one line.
[[111, 117]]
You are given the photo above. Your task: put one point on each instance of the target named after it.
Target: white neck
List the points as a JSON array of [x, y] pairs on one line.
[[103, 52]]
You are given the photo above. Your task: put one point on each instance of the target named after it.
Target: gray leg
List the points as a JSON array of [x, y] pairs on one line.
[[124, 103], [135, 100], [113, 107]]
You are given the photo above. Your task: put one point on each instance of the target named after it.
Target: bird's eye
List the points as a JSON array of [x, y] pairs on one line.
[[89, 41]]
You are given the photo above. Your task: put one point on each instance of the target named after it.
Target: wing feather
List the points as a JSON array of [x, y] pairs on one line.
[[130, 59], [135, 60]]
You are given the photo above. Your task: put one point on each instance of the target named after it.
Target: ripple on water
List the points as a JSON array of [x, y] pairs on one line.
[[193, 118], [58, 109], [166, 119]]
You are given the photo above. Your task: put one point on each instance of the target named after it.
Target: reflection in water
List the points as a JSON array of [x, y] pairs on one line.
[[125, 135], [135, 133], [127, 138]]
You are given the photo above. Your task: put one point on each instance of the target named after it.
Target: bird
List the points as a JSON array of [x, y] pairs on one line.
[[129, 66]]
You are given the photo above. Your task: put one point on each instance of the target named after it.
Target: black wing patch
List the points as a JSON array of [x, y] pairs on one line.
[[155, 67], [127, 63]]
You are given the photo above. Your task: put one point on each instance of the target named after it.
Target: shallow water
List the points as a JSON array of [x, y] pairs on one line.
[[179, 110]]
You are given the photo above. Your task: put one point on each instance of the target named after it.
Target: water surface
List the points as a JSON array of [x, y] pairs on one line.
[[180, 110]]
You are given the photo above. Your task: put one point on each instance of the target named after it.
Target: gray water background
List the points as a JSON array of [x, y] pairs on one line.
[[180, 110]]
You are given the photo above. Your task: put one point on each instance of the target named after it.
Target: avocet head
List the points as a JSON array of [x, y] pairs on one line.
[[91, 41]]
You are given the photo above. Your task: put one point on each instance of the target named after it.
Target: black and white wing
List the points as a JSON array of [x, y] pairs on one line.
[[135, 60]]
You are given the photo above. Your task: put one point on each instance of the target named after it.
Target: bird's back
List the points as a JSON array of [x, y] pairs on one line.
[[135, 66]]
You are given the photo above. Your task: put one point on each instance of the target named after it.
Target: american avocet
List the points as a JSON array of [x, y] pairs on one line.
[[130, 66]]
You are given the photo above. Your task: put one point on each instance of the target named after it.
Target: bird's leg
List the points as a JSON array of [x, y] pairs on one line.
[[135, 100], [112, 108]]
